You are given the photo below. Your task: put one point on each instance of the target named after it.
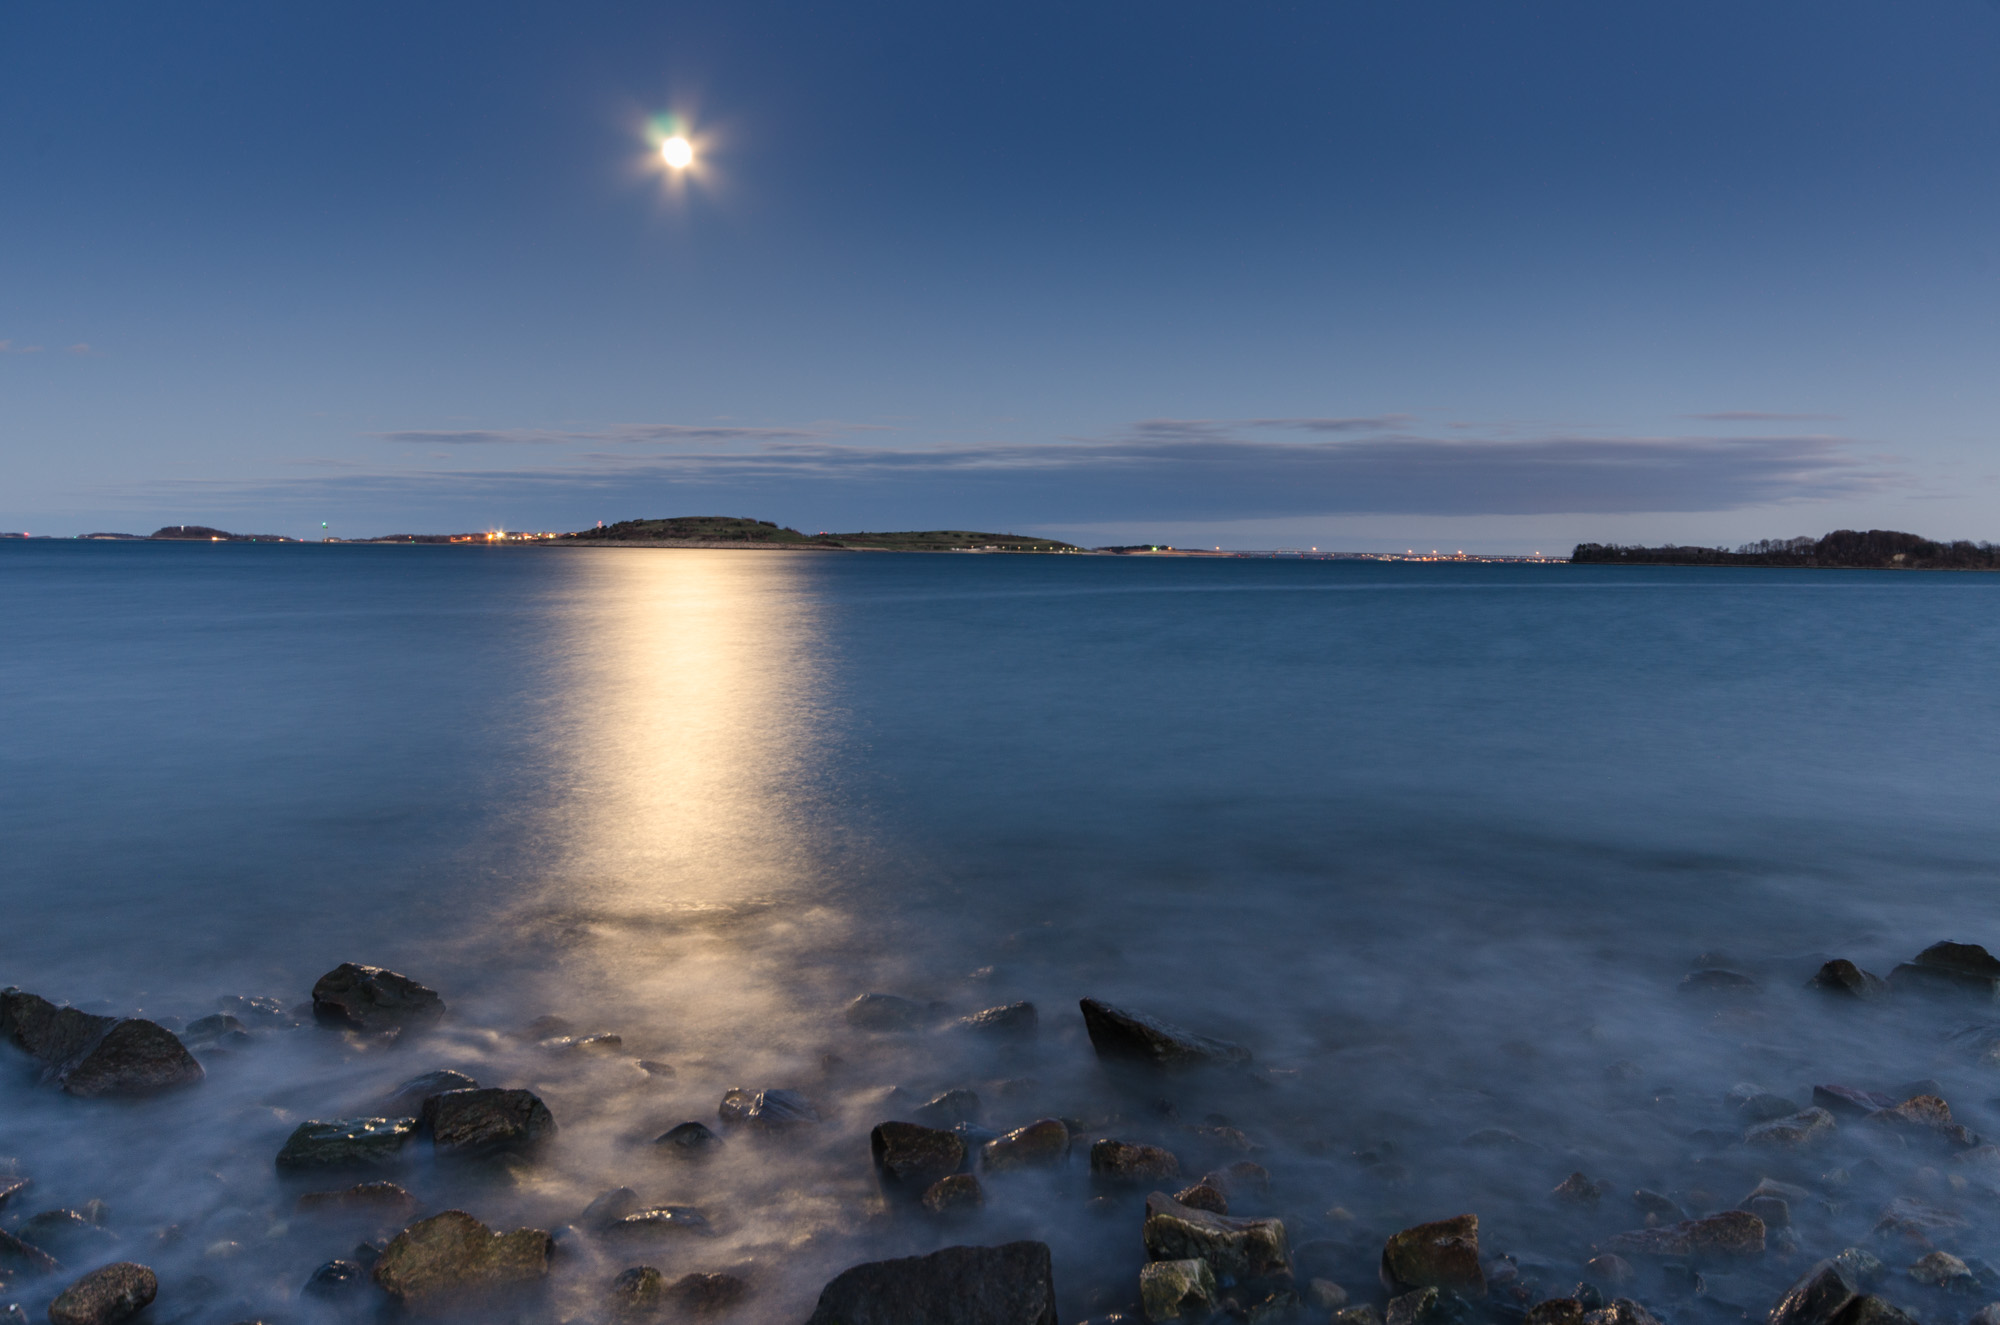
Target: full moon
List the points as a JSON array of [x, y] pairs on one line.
[[677, 152]]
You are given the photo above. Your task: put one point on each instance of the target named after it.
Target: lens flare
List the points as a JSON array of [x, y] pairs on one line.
[[677, 152]]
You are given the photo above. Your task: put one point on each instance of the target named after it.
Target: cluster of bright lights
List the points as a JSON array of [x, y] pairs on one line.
[[672, 142]]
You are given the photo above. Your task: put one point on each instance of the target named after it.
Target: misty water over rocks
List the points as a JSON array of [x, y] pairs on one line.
[[1509, 882]]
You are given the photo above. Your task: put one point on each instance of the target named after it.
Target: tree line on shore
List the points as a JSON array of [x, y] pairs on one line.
[[1873, 549]]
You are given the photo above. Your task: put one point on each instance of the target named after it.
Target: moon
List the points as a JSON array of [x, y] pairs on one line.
[[677, 152]]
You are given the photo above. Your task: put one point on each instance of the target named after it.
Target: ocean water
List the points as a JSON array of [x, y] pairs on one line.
[[1436, 842]]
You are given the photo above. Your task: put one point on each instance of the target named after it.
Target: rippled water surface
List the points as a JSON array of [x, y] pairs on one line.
[[1436, 842]]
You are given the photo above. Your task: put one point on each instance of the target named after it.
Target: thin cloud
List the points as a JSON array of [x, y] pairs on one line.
[[1193, 429], [1759, 416], [9, 347], [624, 433]]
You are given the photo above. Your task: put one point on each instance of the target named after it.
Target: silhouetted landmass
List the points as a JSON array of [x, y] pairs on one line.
[[1850, 549], [135, 538], [201, 533], [738, 531]]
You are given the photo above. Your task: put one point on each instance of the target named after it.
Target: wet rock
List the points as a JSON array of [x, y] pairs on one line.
[[706, 1294], [909, 1157], [344, 1143], [1820, 1294], [1554, 1311], [1964, 967], [335, 1280], [487, 1121], [385, 1198], [654, 1068], [1908, 1217], [1850, 1100], [1005, 1285], [1873, 1311], [1731, 1234], [604, 1043], [407, 1100], [104, 1297], [452, 1255], [1764, 1106], [767, 1110], [1443, 1255], [1717, 983], [639, 1291], [1423, 1306], [955, 1194], [1133, 1037], [662, 1221], [1805, 1128], [1039, 1145], [886, 1012], [368, 998], [1238, 1248], [1775, 1211], [215, 1026], [1170, 1290], [89, 1055], [254, 1011], [1014, 1019], [688, 1141], [948, 1110], [1622, 1311], [1244, 1178], [65, 1234], [24, 1259], [1325, 1295], [12, 1314], [1577, 1189], [1986, 1315], [1943, 1270], [1610, 1269], [1925, 1113], [1201, 1196], [1120, 1163], [1842, 978], [609, 1208], [1861, 1268], [1365, 1314]]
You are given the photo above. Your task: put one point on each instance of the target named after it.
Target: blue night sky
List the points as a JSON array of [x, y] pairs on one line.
[[1499, 275]]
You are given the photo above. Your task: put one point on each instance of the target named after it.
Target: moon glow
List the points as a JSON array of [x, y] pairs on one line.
[[677, 152]]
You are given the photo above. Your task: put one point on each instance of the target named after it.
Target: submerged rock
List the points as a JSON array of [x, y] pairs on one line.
[[1005, 1285], [486, 1121], [1873, 1311], [1906, 1216], [1578, 1189], [1133, 1037], [25, 1259], [453, 1254], [1925, 1113], [1622, 1311], [1733, 1233], [1552, 1311], [1039, 1145], [106, 1296], [387, 1198], [909, 1158], [609, 1208], [1950, 967], [1805, 1128], [407, 1100], [886, 1012], [688, 1141], [368, 998], [767, 1110], [1011, 1020], [346, 1143], [335, 1280], [1820, 1294], [1139, 1166], [89, 1055], [662, 1221], [65, 1234], [1169, 1290], [1850, 1100], [1717, 983], [1443, 1254], [1943, 1270], [1844, 979], [1764, 1107], [956, 1194], [705, 1294], [1325, 1295], [948, 1110], [639, 1291], [1242, 1248]]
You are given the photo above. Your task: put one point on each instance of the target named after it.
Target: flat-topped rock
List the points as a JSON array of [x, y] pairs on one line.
[[1443, 1254], [442, 1259], [1731, 1234], [105, 1297], [909, 1157], [487, 1121], [1043, 1144], [1011, 1019], [1170, 1290], [407, 1100], [373, 1198], [346, 1143], [1120, 1036], [1006, 1285], [661, 1221], [1239, 1248], [1120, 1162], [369, 998]]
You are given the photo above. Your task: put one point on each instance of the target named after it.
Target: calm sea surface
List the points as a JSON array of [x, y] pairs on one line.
[[1437, 842]]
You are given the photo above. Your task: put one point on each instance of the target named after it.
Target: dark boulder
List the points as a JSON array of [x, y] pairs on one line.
[[24, 1259], [375, 1198], [909, 1158], [609, 1208], [688, 1141], [1040, 1145], [1820, 1294], [1729, 1235], [662, 1221], [639, 1291], [1844, 979], [407, 1100], [68, 1235], [886, 1012], [767, 1110], [1133, 1037], [486, 1121], [1124, 1164], [335, 1281], [1850, 1100], [1443, 1254], [954, 1195], [705, 1294], [89, 1055], [1555, 1311], [105, 1297], [1949, 968], [1239, 1248], [1006, 1285], [452, 1256], [344, 1143], [1809, 1127], [1577, 1189], [368, 998], [1011, 1020], [1173, 1290], [948, 1110], [1868, 1310], [1716, 983], [1925, 1114], [1202, 1196]]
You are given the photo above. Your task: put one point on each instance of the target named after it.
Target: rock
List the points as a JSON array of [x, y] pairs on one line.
[[1610, 1269], [1169, 1290], [1039, 1145], [1554, 1311], [1849, 1100], [1422, 1306], [346, 1143], [1986, 1315], [956, 1194], [254, 1010], [1622, 1311], [1138, 1166], [1005, 1285], [1943, 1270], [886, 1012], [1234, 1248], [1775, 1211], [1968, 965], [1661, 1207], [948, 1110], [662, 1221], [1844, 979], [64, 1234], [583, 1044], [1906, 1216], [12, 1314], [1764, 1106], [89, 1055], [639, 1291], [384, 1197], [1201, 1196], [215, 1026], [1326, 1295], [1820, 1294], [706, 1294], [368, 998], [909, 1158], [486, 1121], [451, 1255], [1365, 1314], [335, 1280], [104, 1297], [1873, 1311], [1733, 1233], [1861, 1268], [1924, 1113], [1577, 1189], [1806, 1128], [1014, 1019], [22, 1258], [1442, 1255], [654, 1068], [609, 1208], [1716, 983], [1243, 1178], [1133, 1037], [688, 1141], [1495, 1138], [768, 1110], [407, 1100]]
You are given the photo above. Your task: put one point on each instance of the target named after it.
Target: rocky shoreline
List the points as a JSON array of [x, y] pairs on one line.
[[1851, 1203]]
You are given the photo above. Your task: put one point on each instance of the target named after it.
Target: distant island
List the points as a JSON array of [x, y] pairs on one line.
[[1843, 549], [727, 531]]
